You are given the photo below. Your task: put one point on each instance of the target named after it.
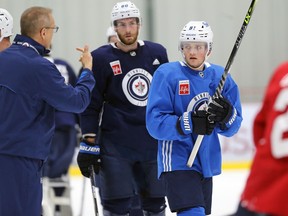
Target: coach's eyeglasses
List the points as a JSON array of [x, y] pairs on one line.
[[55, 29]]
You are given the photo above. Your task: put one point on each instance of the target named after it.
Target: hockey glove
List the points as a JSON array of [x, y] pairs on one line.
[[184, 123], [89, 154], [196, 122], [220, 110], [201, 124]]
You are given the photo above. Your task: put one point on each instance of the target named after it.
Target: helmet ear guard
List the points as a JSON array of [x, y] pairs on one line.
[[6, 24]]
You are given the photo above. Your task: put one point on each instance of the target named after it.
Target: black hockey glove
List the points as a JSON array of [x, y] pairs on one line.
[[184, 124], [220, 110], [201, 124], [89, 154]]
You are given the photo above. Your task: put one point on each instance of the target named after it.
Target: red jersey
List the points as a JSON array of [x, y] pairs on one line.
[[266, 189]]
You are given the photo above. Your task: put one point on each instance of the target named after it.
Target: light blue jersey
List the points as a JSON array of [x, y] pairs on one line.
[[175, 89]]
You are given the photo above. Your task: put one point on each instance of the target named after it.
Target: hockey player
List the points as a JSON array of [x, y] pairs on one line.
[[178, 110], [124, 70], [6, 29], [266, 190], [31, 88], [136, 209]]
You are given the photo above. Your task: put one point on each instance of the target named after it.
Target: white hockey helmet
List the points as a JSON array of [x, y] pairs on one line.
[[6, 24], [198, 31], [110, 32], [125, 9]]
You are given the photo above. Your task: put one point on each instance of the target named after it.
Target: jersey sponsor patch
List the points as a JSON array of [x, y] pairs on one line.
[[136, 85], [116, 67], [199, 102], [184, 87]]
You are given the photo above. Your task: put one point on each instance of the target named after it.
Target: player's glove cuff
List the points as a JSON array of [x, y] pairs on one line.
[[89, 154], [89, 148], [184, 124], [226, 124]]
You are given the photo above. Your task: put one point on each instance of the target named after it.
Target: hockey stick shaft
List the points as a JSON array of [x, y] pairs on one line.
[[224, 75], [93, 187]]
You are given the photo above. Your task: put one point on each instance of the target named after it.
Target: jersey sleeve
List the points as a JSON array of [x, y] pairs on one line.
[[160, 117], [89, 120], [64, 97]]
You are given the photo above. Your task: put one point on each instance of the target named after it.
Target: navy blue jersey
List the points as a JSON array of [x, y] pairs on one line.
[[123, 83], [31, 88], [176, 89]]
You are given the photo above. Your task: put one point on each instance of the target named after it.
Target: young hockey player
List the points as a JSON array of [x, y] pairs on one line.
[[179, 109], [124, 70]]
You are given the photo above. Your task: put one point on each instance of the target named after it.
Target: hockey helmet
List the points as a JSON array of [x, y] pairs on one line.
[[6, 24], [198, 31], [125, 9], [110, 32]]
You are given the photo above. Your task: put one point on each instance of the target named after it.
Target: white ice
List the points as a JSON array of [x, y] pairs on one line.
[[227, 189]]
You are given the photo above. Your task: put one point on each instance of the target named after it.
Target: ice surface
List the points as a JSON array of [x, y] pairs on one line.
[[227, 189]]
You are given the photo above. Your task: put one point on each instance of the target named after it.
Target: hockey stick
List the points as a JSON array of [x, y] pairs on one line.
[[93, 187], [224, 75]]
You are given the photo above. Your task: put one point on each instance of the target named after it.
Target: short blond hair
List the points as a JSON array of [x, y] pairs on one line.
[[34, 19]]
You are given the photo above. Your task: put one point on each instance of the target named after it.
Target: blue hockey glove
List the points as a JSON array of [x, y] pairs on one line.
[[201, 124], [220, 110], [89, 154]]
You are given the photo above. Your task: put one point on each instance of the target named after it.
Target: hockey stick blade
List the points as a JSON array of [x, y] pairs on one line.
[[93, 187], [224, 76]]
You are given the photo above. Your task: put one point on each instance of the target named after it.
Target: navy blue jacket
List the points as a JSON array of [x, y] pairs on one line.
[[65, 119], [31, 88]]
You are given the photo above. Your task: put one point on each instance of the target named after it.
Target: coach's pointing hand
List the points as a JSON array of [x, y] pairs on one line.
[[85, 58]]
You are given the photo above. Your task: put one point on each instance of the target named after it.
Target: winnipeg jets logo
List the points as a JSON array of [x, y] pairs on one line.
[[136, 85], [140, 86], [199, 102]]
